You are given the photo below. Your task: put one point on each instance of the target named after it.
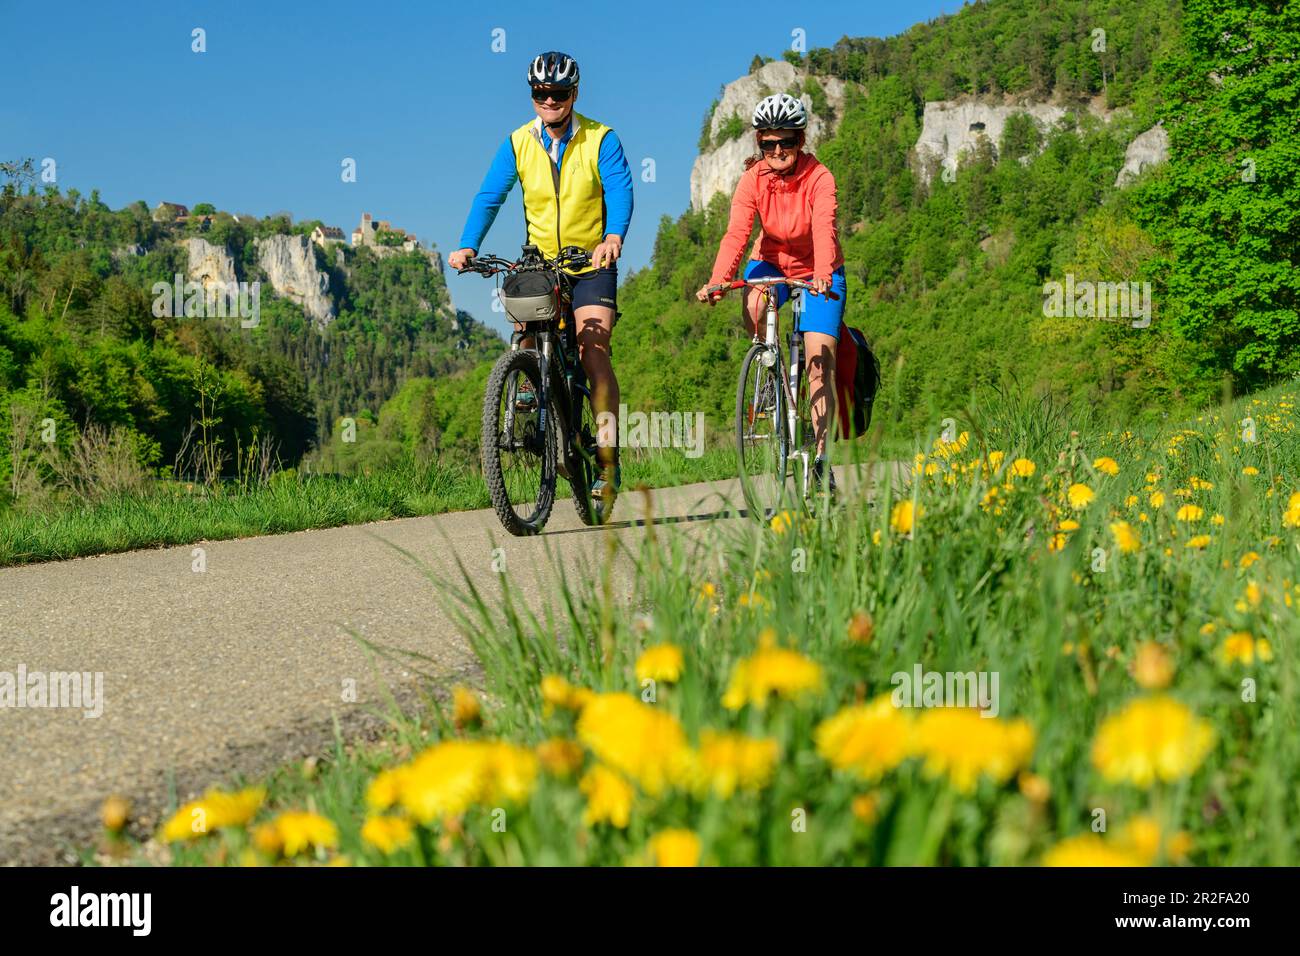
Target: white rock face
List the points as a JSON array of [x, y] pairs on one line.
[[209, 264], [1149, 149], [290, 265], [950, 127], [718, 170]]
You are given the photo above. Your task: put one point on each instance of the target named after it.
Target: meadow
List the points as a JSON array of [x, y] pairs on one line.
[[168, 513], [1133, 592]]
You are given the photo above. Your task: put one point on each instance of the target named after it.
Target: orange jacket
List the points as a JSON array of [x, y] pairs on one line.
[[797, 215]]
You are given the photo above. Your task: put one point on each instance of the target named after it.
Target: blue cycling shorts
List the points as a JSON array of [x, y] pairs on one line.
[[820, 314]]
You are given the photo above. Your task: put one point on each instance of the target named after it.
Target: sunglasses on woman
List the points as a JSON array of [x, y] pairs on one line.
[[787, 143], [560, 96]]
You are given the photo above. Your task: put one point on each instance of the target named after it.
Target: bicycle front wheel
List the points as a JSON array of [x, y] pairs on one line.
[[517, 444], [762, 444]]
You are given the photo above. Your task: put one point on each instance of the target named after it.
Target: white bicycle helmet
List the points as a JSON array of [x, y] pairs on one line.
[[553, 69], [780, 111]]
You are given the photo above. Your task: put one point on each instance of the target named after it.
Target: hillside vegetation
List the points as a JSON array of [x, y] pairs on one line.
[[947, 280]]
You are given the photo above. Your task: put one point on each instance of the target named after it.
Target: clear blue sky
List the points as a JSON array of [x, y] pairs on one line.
[[411, 90]]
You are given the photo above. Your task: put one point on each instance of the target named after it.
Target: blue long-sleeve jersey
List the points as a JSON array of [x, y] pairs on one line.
[[615, 179]]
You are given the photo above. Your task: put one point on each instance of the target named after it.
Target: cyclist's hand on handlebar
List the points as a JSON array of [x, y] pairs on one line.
[[708, 294], [459, 259], [819, 284], [606, 254]]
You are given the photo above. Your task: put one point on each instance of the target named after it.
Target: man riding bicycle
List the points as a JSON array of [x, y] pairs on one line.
[[577, 191]]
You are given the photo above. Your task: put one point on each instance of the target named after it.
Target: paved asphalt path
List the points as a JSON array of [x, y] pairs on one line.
[[243, 666]]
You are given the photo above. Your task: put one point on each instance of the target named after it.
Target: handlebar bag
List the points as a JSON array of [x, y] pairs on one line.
[[529, 297]]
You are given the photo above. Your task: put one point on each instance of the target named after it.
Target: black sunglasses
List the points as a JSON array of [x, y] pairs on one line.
[[770, 145], [560, 96]]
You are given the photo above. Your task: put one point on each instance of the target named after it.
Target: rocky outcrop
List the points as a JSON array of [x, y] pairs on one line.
[[719, 169], [384, 252], [208, 264], [1149, 149], [951, 127], [290, 266]]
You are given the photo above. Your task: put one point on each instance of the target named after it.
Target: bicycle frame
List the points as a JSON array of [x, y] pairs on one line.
[[790, 377]]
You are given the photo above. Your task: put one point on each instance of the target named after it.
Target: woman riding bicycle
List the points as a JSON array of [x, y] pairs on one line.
[[794, 197]]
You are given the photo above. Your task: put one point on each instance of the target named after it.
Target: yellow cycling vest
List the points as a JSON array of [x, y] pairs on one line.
[[563, 207]]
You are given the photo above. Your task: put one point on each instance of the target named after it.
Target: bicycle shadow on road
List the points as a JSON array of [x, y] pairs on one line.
[[642, 522]]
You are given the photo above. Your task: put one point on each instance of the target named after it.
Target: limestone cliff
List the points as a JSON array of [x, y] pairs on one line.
[[951, 127], [209, 264], [1149, 149], [290, 266]]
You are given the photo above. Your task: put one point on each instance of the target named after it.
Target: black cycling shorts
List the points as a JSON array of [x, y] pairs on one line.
[[597, 287]]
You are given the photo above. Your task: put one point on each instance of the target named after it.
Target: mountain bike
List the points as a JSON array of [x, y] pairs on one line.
[[774, 433], [538, 421]]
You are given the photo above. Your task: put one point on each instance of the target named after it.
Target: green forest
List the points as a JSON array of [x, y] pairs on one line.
[[88, 370], [947, 280]]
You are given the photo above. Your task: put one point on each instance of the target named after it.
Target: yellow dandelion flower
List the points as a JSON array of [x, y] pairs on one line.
[[1069, 524], [1190, 513], [903, 517], [996, 458], [1091, 849], [727, 762], [1080, 496], [781, 522], [447, 778], [868, 739], [641, 741], [1250, 470], [1023, 468], [675, 848], [1199, 541], [295, 832], [1157, 499], [1130, 501], [215, 810], [609, 797], [1107, 465], [465, 706], [771, 670], [1240, 648], [387, 834], [1247, 559], [959, 743], [559, 693], [1126, 538], [1136, 843], [1152, 738], [663, 662], [1254, 595]]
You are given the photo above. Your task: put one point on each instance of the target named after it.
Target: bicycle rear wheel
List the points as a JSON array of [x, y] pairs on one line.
[[762, 444], [517, 445]]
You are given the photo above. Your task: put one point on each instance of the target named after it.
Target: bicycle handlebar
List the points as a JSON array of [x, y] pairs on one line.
[[764, 282], [490, 265]]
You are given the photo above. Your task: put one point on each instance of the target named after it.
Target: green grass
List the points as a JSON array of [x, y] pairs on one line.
[[172, 515], [995, 583]]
